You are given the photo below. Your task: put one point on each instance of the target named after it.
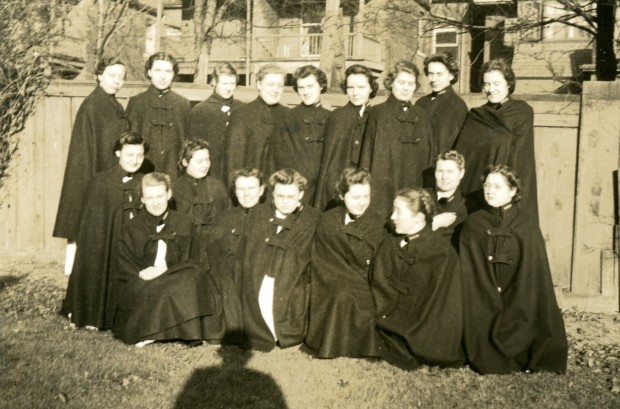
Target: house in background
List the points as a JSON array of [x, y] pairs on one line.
[[546, 59]]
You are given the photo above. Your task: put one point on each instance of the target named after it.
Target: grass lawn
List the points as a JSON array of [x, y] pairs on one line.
[[44, 364]]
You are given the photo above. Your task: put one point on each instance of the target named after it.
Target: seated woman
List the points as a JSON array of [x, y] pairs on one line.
[[512, 320], [224, 239], [276, 257], [112, 198], [416, 284], [162, 294], [342, 311]]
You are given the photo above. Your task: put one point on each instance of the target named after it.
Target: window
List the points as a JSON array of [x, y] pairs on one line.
[[446, 39], [559, 31]]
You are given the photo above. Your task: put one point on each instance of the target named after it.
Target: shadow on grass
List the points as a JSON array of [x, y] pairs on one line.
[[231, 384], [7, 281]]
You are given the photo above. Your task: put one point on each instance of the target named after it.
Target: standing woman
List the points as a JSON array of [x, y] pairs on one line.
[[416, 284], [397, 145], [160, 115], [500, 132], [342, 311], [98, 124], [300, 144], [344, 133], [512, 319], [209, 119], [447, 111]]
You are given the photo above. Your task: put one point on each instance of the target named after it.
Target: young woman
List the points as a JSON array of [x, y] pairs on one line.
[[98, 123], [276, 256], [342, 311], [112, 198], [416, 284], [344, 133], [397, 146], [209, 119], [160, 115], [163, 293], [500, 132], [512, 320], [447, 111], [300, 144]]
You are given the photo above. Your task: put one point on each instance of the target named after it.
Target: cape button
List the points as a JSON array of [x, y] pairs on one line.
[[267, 240], [490, 258], [489, 232]]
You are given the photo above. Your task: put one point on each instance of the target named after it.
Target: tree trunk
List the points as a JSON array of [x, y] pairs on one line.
[[606, 63], [332, 44]]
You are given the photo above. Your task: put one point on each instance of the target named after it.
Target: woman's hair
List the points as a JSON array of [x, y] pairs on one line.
[[453, 156], [288, 176], [189, 147], [105, 62], [156, 179], [360, 69], [418, 200], [447, 60], [224, 69], [512, 179], [269, 69], [308, 70], [402, 66], [504, 68], [161, 56], [245, 173], [130, 138], [351, 176]]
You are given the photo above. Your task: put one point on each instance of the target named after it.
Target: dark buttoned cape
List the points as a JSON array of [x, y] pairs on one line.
[[286, 257], [418, 295], [161, 118], [300, 145], [248, 134], [342, 144], [170, 306], [512, 320], [342, 311], [108, 203], [397, 149], [224, 239], [500, 134], [99, 123], [208, 120], [447, 112], [458, 204]]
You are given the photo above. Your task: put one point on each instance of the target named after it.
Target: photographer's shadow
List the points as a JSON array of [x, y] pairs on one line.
[[231, 384]]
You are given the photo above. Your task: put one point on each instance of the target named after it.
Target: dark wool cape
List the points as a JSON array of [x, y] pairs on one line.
[[224, 239], [247, 137], [300, 145], [512, 320], [457, 204], [161, 118], [108, 204], [447, 112], [170, 306], [418, 294], [342, 311], [99, 123], [208, 120], [203, 200], [342, 144], [500, 134], [397, 149], [286, 257]]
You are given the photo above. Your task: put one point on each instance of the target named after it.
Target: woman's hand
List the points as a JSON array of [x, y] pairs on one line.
[[152, 272], [443, 220]]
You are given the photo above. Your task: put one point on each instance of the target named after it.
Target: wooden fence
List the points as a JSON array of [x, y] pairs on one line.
[[30, 195]]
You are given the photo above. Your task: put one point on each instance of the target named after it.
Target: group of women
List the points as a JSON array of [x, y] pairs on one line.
[[371, 237]]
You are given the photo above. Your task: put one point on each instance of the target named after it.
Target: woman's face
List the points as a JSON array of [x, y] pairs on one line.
[[248, 191], [309, 90], [358, 89], [357, 199], [404, 86], [199, 164], [497, 191], [405, 221], [161, 74], [495, 87], [439, 77], [286, 198], [112, 78], [155, 199], [130, 157], [271, 87], [225, 85]]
